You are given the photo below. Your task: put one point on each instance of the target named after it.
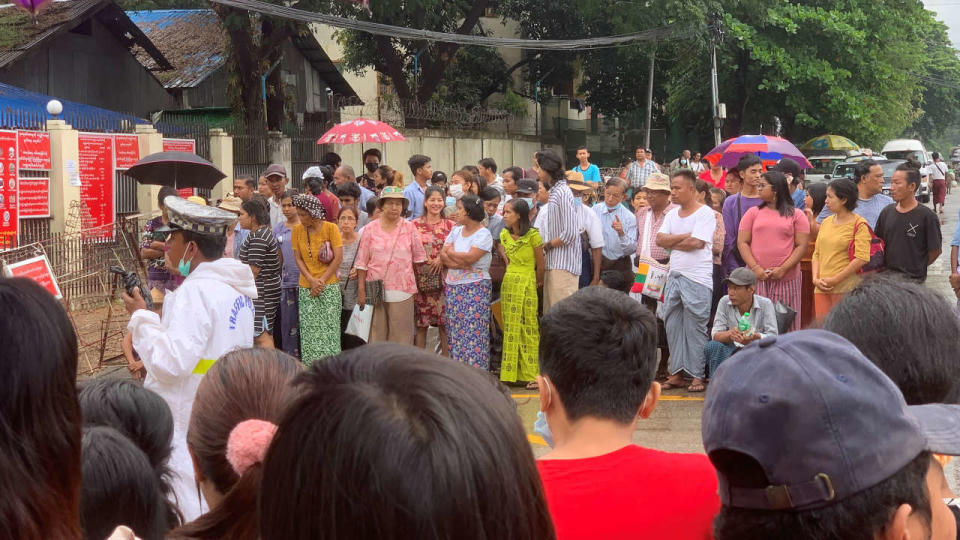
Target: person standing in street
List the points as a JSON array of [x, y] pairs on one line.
[[422, 174], [151, 247], [371, 161], [429, 306], [682, 162], [342, 175], [276, 175], [261, 252], [316, 183], [772, 240], [750, 167], [590, 172], [834, 269], [696, 164], [288, 315], [619, 229], [910, 231], [639, 170], [687, 232], [562, 246], [210, 314], [868, 175], [938, 175], [649, 221]]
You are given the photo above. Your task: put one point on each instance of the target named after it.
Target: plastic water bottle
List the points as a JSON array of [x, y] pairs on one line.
[[743, 324]]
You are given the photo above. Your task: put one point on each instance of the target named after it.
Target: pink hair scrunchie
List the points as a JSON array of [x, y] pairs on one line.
[[248, 443]]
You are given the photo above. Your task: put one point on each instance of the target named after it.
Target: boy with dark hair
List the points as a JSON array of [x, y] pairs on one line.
[[594, 386], [371, 160], [422, 174], [791, 425], [349, 195], [590, 172], [910, 231]]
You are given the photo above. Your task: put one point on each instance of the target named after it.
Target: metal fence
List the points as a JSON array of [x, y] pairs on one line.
[[80, 262]]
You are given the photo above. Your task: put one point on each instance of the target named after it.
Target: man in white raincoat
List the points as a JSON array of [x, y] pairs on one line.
[[209, 315]]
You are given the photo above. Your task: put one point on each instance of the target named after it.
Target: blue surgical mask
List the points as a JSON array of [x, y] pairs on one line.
[[183, 268], [529, 201], [451, 200], [542, 428]]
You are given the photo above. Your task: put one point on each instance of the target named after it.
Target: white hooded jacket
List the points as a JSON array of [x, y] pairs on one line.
[[209, 315]]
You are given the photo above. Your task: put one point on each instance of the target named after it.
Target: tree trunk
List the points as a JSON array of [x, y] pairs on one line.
[[275, 34], [243, 59]]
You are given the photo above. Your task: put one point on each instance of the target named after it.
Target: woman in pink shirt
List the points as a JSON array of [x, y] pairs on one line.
[[389, 247], [772, 240]]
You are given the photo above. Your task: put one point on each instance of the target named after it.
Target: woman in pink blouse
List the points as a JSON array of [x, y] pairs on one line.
[[772, 240], [389, 246]]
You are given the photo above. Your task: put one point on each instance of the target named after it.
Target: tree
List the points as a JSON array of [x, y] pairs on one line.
[[416, 68]]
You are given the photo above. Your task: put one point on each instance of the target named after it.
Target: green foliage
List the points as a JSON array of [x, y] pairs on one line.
[[472, 70]]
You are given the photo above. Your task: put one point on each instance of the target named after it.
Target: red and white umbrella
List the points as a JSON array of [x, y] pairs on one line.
[[361, 130]]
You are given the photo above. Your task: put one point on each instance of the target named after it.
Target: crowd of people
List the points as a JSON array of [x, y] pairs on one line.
[[264, 413]]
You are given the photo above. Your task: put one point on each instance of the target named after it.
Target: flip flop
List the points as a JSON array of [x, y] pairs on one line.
[[532, 385], [670, 386], [697, 387]]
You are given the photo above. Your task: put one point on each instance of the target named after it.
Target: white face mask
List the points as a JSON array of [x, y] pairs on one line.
[[456, 190]]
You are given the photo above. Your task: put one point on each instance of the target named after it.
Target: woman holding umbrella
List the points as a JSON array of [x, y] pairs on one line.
[[261, 252]]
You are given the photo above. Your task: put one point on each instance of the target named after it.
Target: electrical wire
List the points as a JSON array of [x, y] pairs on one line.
[[400, 32]]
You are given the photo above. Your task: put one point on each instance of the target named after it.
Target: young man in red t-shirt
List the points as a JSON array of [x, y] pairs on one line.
[[595, 383]]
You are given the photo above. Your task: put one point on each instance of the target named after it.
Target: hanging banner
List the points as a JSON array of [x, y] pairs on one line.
[[128, 150], [34, 198], [96, 183], [33, 150], [182, 145], [9, 220], [37, 269]]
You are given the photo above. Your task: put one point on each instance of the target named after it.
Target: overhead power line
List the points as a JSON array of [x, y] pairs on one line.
[[273, 10]]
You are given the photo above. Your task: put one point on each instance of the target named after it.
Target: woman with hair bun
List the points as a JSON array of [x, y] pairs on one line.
[[234, 414], [466, 253]]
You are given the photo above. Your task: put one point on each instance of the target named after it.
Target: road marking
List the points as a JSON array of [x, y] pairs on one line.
[[662, 397]]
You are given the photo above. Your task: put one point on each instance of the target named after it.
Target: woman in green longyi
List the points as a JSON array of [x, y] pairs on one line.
[[521, 247]]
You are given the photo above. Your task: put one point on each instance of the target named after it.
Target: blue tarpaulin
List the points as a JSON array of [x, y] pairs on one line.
[[23, 109]]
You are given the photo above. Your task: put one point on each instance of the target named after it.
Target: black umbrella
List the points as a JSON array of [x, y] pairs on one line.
[[176, 169]]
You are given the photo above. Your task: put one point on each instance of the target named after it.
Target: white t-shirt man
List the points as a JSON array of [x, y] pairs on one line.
[[938, 170], [695, 265]]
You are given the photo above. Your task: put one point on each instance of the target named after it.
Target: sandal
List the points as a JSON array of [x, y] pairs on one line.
[[666, 385], [697, 387], [532, 385]]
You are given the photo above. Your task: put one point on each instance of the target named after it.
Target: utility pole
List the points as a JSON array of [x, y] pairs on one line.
[[646, 137], [713, 82]]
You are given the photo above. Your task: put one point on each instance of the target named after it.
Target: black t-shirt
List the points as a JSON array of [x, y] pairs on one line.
[[908, 238]]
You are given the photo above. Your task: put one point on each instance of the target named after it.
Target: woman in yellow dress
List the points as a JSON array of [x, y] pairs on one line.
[[521, 247]]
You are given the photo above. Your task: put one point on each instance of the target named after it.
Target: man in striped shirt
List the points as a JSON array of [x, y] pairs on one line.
[[562, 247], [640, 169]]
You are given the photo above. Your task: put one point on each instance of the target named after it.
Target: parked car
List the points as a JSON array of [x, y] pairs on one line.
[[904, 148]]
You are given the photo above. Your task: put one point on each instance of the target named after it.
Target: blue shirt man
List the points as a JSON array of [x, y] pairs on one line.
[[619, 223], [422, 173]]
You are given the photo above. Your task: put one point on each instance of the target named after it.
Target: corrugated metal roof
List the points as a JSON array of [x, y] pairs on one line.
[[195, 43], [191, 39], [24, 109], [20, 32]]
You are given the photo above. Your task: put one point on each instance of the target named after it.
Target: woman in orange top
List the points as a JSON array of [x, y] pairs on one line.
[[835, 273]]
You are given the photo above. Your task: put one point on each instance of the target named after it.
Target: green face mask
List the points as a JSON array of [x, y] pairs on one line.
[[184, 266]]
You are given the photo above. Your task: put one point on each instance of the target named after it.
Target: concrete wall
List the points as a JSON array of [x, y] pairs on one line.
[[92, 68], [448, 151]]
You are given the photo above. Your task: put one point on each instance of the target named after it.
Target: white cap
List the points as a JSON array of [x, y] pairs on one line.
[[313, 172]]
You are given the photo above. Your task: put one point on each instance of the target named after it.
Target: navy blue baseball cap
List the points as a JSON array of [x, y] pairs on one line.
[[820, 419]]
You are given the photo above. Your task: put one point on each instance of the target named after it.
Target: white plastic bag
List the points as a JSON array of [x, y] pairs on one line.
[[360, 320]]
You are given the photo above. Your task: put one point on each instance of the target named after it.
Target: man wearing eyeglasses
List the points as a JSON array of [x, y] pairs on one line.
[[619, 229]]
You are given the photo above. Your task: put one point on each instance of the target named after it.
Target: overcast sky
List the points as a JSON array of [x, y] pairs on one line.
[[947, 11]]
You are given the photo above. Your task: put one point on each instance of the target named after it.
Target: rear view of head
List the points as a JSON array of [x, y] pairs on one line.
[[402, 444], [603, 370], [119, 487], [244, 385], [908, 331], [40, 431], [140, 415]]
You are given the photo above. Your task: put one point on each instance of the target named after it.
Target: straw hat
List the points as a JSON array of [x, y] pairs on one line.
[[392, 192], [657, 182], [231, 204]]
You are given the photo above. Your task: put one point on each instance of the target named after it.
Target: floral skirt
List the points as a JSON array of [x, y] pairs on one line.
[[467, 320], [428, 309], [319, 324]]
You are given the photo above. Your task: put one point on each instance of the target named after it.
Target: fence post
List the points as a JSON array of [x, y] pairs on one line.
[[150, 141], [65, 174], [221, 155], [280, 149]]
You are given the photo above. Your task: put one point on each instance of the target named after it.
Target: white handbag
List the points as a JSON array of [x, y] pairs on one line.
[[360, 320]]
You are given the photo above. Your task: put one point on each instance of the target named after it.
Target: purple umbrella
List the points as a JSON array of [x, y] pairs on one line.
[[176, 169], [770, 149], [31, 6]]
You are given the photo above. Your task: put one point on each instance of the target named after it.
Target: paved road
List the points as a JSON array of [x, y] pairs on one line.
[[675, 424]]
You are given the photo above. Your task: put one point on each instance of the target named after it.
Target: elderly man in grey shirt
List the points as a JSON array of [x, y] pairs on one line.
[[726, 335]]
